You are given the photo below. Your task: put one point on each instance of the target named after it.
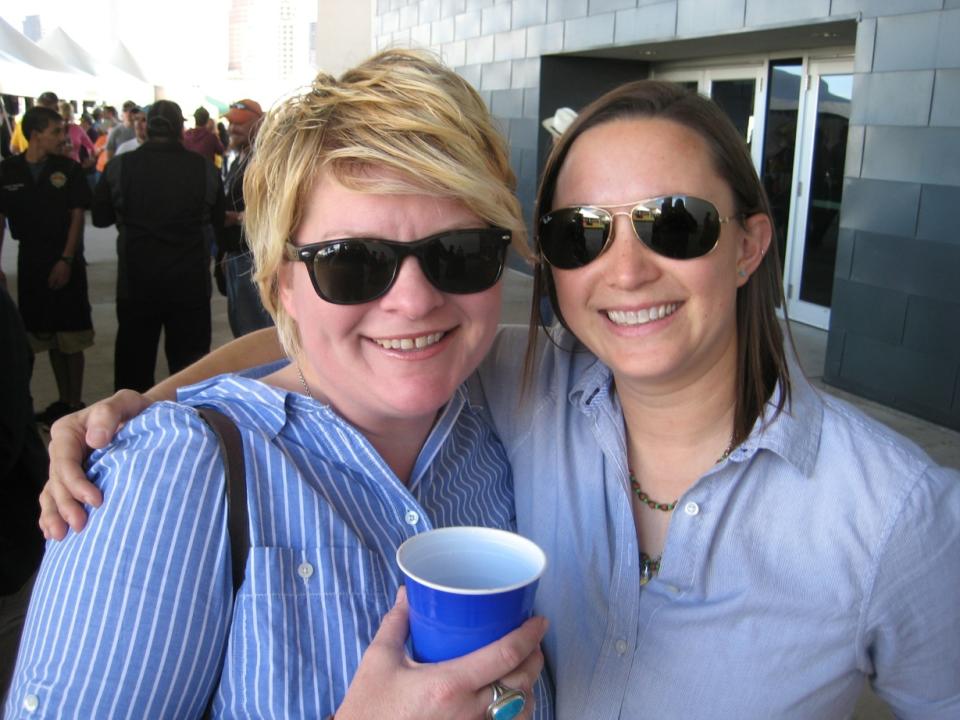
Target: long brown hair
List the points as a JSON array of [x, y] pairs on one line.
[[761, 359]]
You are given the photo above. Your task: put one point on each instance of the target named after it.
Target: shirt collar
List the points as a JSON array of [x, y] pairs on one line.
[[270, 404], [794, 434]]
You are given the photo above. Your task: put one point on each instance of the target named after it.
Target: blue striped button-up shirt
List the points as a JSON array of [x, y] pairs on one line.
[[133, 617]]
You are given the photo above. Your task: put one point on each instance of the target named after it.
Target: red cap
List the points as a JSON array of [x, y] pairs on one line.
[[243, 111]]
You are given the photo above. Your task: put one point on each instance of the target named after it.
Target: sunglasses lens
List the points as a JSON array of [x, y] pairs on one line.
[[465, 261], [354, 271], [572, 237], [681, 228]]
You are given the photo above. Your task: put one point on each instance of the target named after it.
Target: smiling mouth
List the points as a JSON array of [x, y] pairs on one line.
[[641, 317], [409, 343]]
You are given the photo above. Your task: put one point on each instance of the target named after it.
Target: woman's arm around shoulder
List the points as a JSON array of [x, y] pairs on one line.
[[74, 435], [130, 617]]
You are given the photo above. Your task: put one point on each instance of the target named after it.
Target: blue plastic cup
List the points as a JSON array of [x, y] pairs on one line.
[[467, 587]]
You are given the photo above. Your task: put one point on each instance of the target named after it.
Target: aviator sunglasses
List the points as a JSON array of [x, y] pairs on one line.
[[680, 227], [358, 270]]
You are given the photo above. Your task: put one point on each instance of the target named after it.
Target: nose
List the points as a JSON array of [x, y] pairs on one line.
[[629, 263], [412, 294]]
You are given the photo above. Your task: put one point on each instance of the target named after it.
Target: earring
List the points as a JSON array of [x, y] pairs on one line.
[[741, 272]]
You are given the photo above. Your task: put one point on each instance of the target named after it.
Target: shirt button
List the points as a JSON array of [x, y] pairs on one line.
[[31, 703], [691, 509], [412, 517], [305, 570], [621, 647]]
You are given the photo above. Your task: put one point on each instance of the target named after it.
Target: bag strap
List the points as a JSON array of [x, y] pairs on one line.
[[231, 447], [238, 523]]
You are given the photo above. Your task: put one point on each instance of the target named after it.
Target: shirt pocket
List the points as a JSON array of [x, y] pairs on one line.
[[302, 621]]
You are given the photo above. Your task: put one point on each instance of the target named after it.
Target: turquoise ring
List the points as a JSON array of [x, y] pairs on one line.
[[507, 703]]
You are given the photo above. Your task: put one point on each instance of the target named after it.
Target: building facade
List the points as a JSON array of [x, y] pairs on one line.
[[852, 112], [272, 44]]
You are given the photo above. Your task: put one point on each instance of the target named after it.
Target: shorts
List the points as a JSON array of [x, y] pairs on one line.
[[67, 342]]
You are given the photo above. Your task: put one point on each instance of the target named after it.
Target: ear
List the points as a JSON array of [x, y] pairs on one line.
[[285, 279], [756, 236]]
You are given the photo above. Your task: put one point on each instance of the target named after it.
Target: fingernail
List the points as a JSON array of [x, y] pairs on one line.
[[99, 437]]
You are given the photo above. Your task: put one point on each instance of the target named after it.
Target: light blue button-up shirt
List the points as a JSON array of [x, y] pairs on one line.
[[825, 550], [131, 617]]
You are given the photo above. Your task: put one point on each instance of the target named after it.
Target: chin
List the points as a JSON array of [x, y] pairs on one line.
[[419, 399]]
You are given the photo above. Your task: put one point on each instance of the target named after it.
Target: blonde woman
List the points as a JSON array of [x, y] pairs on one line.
[[366, 194]]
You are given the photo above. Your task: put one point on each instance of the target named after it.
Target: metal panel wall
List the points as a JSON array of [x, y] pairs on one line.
[[895, 332]]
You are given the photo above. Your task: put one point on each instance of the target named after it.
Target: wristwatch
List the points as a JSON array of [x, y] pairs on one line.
[[68, 259]]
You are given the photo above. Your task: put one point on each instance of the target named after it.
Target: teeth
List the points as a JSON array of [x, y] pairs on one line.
[[414, 343], [641, 317]]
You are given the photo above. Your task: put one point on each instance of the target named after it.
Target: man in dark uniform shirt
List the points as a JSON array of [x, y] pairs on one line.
[[43, 195], [168, 205]]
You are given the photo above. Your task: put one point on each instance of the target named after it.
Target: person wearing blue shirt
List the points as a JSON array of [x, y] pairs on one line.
[[725, 541], [742, 546], [379, 228]]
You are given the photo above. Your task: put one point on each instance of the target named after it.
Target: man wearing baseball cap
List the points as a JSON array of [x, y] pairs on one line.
[[167, 203], [244, 309]]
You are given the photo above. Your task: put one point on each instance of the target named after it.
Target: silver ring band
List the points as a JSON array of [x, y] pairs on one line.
[[507, 702]]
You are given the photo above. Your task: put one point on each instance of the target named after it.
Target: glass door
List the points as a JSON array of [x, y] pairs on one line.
[[814, 223], [739, 93], [794, 114], [738, 89]]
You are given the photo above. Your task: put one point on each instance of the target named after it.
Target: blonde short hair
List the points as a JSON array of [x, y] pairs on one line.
[[401, 111], [66, 110]]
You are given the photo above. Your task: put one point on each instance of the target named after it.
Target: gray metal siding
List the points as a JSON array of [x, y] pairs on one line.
[[695, 17], [895, 329]]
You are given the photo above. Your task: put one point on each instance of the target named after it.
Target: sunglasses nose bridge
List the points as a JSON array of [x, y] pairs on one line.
[[629, 221], [412, 290]]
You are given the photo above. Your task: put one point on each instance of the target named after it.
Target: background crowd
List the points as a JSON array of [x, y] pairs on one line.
[[175, 196]]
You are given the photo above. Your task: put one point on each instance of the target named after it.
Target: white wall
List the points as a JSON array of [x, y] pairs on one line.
[[344, 33]]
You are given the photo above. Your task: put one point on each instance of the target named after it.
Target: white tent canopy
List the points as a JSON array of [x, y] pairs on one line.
[[61, 45], [113, 83], [60, 64], [122, 58], [27, 69]]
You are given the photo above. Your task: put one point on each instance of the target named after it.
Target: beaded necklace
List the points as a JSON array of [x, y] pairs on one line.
[[650, 566]]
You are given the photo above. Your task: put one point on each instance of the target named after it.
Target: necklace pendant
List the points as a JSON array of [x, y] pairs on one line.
[[646, 571], [645, 574], [648, 568]]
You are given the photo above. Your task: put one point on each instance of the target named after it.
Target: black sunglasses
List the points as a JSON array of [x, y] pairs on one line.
[[358, 270], [680, 227]]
